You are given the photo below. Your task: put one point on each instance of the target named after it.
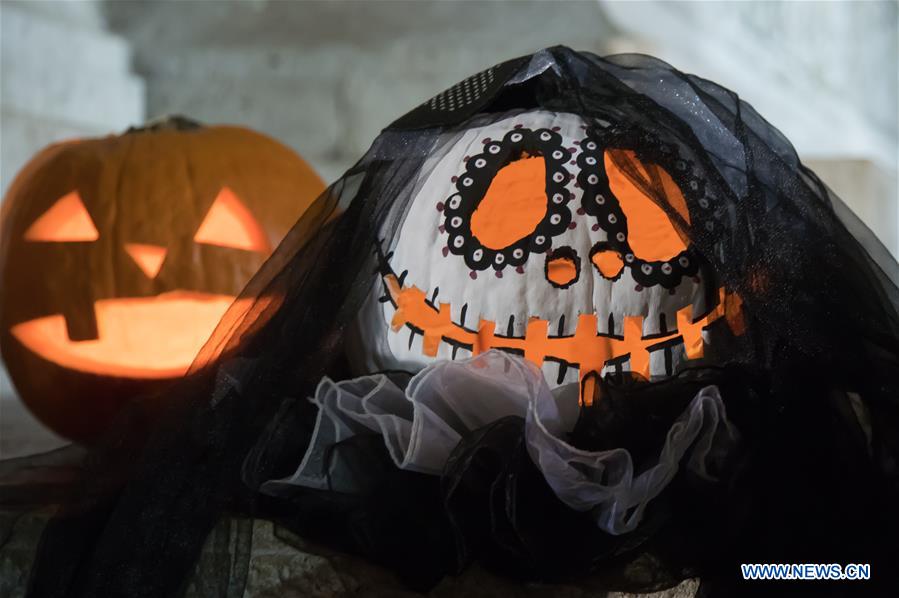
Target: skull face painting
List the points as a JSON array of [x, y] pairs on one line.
[[539, 235]]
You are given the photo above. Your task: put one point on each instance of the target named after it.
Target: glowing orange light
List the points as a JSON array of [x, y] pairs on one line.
[[513, 206], [230, 224], [140, 337], [67, 220], [148, 257]]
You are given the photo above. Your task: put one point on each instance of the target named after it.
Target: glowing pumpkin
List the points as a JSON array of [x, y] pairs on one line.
[[537, 235], [119, 255]]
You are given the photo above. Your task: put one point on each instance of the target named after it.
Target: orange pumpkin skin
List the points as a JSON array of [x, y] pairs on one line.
[[119, 254]]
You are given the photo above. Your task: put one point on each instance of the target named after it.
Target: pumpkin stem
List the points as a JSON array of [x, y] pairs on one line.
[[168, 122]]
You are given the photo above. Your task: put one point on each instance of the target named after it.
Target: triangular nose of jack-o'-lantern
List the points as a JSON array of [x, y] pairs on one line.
[[148, 258]]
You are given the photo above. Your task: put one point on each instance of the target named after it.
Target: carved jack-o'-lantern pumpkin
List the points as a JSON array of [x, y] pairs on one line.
[[538, 235], [120, 255]]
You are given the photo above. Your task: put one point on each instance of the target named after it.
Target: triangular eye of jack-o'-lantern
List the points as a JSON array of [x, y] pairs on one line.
[[66, 221], [121, 254], [554, 238]]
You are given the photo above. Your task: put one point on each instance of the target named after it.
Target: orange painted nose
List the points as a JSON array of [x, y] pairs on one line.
[[149, 258], [563, 266]]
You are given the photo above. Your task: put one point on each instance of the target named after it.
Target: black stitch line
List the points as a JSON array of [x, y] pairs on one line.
[[511, 350], [671, 342], [455, 343], [560, 361], [413, 330]]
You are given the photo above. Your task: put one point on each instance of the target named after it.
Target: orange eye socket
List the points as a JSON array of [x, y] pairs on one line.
[[651, 234], [513, 206], [67, 220], [230, 224], [511, 200]]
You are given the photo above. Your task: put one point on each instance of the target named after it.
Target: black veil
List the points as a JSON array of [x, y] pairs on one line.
[[812, 385]]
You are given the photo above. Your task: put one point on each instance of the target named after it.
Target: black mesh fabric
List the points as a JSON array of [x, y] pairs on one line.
[[812, 385]]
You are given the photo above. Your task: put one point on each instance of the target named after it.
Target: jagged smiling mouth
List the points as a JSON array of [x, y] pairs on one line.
[[587, 350], [139, 337]]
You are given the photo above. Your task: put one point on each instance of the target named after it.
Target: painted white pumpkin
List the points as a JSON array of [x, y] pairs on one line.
[[536, 234]]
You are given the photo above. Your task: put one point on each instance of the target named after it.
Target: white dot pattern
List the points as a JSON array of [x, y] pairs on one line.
[[462, 94]]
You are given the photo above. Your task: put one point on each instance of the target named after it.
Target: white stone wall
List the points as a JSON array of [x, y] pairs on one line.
[[61, 76], [326, 77]]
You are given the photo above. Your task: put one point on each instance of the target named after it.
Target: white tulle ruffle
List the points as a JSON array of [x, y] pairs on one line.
[[421, 426]]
